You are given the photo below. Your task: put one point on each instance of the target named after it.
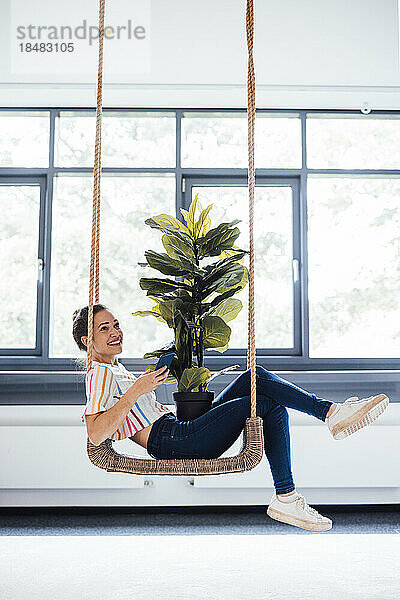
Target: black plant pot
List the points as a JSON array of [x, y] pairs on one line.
[[190, 405]]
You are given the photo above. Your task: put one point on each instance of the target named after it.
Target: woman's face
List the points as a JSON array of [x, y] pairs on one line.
[[107, 339]]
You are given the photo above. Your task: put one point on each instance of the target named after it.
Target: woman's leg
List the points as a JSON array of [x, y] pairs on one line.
[[281, 391], [277, 447]]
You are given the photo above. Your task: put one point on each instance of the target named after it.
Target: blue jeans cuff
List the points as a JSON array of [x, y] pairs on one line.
[[323, 407]]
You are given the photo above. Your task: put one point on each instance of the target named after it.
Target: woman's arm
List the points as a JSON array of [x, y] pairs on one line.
[[101, 425]]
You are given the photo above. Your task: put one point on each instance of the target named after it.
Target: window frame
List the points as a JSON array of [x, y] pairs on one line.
[[41, 261], [41, 362]]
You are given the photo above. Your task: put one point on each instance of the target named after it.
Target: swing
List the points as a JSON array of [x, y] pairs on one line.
[[104, 455]]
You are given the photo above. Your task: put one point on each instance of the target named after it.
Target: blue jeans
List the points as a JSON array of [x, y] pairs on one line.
[[214, 432]]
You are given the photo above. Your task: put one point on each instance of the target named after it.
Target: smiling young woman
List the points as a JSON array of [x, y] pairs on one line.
[[119, 405]]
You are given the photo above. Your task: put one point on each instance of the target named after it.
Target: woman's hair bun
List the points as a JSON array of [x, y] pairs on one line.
[[76, 313]]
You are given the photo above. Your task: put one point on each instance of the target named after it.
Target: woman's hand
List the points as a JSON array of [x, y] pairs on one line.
[[148, 382]]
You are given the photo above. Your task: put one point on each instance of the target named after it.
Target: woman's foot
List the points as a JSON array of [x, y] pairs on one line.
[[354, 414], [297, 512]]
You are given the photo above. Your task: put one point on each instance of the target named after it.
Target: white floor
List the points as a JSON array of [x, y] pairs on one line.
[[321, 566]]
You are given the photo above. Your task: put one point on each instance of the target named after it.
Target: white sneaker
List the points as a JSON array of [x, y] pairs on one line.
[[354, 414], [297, 513]]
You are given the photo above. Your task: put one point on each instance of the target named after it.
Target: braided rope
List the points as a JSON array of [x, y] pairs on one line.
[[94, 274], [251, 113]]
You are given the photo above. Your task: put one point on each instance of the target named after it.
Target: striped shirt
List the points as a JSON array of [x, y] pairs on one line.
[[105, 384]]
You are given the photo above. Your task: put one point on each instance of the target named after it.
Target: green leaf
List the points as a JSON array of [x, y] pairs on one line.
[[218, 239], [182, 342], [145, 313], [159, 287], [191, 216], [200, 227], [184, 213], [156, 308], [169, 309], [171, 229], [177, 248], [221, 280], [167, 222], [169, 266], [207, 307], [193, 378], [242, 284], [227, 309], [203, 224], [216, 332], [233, 258], [232, 251], [225, 241], [222, 349], [226, 294]]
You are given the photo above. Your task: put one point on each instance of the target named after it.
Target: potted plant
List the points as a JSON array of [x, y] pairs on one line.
[[199, 305]]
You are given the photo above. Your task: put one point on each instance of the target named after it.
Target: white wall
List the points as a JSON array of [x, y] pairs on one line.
[[44, 463], [308, 53]]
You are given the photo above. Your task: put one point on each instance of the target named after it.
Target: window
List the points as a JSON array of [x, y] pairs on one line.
[[340, 141], [127, 201], [273, 239], [19, 255], [14, 149], [327, 216], [128, 139], [354, 250], [220, 140]]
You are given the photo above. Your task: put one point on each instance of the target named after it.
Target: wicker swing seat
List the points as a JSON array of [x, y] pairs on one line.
[[105, 457]]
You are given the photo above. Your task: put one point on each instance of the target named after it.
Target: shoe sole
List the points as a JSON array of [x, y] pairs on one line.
[[290, 520], [365, 416]]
